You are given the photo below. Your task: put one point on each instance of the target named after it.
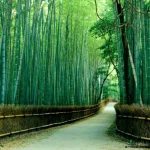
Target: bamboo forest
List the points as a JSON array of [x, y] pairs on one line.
[[73, 57], [48, 56]]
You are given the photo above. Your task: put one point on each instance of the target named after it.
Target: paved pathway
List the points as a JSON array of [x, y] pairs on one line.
[[89, 134]]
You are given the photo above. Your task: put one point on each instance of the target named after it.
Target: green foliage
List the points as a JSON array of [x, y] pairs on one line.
[[102, 28]]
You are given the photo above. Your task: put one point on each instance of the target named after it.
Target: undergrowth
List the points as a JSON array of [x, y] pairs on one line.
[[133, 110]]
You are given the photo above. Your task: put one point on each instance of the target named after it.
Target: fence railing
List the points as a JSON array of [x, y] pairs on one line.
[[45, 126], [20, 123], [85, 113], [129, 134], [45, 114], [134, 117]]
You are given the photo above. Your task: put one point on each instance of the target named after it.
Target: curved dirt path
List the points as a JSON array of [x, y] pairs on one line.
[[89, 134]]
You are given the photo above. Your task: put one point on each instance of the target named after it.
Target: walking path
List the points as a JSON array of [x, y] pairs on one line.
[[88, 134]]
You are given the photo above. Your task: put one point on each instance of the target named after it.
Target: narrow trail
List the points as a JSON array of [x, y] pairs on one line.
[[89, 134]]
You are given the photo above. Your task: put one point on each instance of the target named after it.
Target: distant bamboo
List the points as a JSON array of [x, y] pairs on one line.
[[45, 54]]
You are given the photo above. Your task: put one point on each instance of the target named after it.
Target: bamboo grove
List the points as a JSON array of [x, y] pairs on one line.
[[45, 57], [132, 25]]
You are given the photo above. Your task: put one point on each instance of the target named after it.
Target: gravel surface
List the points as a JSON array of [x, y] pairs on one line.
[[88, 134]]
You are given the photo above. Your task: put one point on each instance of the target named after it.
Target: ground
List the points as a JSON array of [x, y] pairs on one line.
[[88, 134]]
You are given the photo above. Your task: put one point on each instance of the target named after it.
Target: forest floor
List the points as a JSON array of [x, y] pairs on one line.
[[95, 133]]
